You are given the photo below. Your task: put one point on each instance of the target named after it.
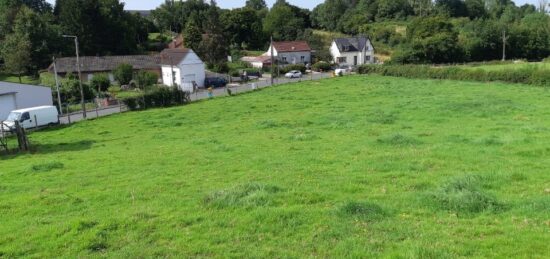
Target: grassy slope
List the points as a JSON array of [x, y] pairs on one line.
[[169, 182]]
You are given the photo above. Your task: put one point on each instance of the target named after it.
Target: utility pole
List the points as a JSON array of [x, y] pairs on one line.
[[272, 62], [504, 39], [79, 74], [57, 87]]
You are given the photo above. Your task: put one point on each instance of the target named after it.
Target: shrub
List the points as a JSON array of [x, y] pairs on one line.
[[362, 210], [321, 66], [288, 68], [464, 194], [123, 74], [100, 82], [157, 97], [146, 78]]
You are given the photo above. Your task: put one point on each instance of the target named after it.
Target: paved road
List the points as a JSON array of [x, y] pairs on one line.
[[200, 95]]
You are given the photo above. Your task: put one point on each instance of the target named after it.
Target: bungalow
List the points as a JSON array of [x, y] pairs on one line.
[[95, 65], [352, 51], [290, 52], [258, 62], [182, 67]]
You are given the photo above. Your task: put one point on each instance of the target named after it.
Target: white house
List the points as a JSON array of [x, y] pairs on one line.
[[352, 51], [182, 67], [20, 96], [290, 52]]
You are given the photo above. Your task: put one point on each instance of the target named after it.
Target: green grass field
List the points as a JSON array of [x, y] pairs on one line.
[[346, 167], [15, 79], [510, 66]]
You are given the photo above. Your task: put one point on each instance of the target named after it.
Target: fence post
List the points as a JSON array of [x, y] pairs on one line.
[[96, 112]]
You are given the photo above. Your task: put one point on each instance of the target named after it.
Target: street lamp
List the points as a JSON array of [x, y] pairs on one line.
[[79, 74]]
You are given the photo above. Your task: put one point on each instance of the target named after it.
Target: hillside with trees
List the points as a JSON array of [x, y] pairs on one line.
[[408, 31]]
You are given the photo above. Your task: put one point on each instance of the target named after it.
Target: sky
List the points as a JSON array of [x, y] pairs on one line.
[[152, 4]]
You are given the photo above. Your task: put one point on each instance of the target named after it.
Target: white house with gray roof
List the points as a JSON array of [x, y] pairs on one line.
[[353, 51]]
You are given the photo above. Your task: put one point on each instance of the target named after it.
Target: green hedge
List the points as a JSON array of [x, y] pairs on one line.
[[299, 67], [321, 66], [159, 97], [533, 76]]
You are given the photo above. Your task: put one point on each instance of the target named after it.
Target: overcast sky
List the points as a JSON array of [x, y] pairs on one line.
[[152, 4]]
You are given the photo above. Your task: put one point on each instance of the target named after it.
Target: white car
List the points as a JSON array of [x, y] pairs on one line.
[[293, 74], [342, 70]]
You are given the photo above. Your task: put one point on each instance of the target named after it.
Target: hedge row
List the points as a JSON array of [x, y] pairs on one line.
[[533, 76], [158, 97]]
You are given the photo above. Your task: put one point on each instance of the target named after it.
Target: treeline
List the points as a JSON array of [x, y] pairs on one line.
[[444, 31], [31, 31]]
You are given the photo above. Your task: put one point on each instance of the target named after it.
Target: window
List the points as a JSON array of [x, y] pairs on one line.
[[25, 116], [303, 59], [284, 59], [367, 58], [342, 60]]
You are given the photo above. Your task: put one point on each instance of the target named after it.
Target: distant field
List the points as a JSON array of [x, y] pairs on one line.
[[359, 167], [15, 79], [508, 66]]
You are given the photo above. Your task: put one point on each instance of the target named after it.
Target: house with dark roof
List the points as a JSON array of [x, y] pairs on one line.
[[353, 51], [290, 52], [182, 67], [90, 66]]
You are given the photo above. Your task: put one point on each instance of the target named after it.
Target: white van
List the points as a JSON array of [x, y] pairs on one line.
[[33, 117]]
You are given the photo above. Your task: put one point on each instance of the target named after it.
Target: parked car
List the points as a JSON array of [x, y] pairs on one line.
[[215, 82], [33, 117], [342, 70], [293, 74]]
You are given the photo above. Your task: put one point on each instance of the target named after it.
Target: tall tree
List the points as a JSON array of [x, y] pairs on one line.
[[256, 4], [192, 35], [282, 22], [16, 52], [214, 47]]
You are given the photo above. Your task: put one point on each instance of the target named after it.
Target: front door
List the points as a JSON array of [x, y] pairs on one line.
[[355, 60]]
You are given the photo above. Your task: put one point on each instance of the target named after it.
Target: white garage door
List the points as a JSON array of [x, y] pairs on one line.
[[7, 104], [189, 78]]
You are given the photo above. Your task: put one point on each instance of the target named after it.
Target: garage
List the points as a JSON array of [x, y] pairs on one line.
[[20, 96], [7, 104]]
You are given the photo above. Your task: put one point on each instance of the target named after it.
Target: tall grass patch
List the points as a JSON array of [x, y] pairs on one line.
[[247, 196], [464, 194], [362, 210]]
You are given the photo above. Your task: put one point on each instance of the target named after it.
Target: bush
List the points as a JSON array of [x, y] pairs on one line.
[[288, 68], [100, 82], [321, 66], [158, 97], [146, 78], [123, 74]]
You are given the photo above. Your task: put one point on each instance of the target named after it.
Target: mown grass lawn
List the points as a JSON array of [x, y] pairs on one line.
[[15, 79], [347, 167]]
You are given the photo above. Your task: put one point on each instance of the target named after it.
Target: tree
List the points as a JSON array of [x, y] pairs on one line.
[[431, 40], [192, 35], [282, 23], [453, 8], [393, 9], [475, 8], [328, 14], [213, 48], [243, 28], [16, 54], [123, 74], [256, 4]]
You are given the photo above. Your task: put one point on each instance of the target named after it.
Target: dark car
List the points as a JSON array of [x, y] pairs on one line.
[[215, 82]]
